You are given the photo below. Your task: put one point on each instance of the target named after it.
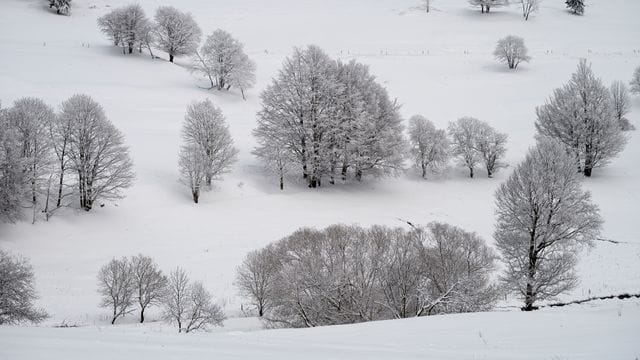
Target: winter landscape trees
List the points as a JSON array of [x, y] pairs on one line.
[[429, 146], [621, 103], [544, 218], [486, 5], [529, 7], [207, 150], [576, 6], [329, 119], [62, 6], [474, 141], [223, 61], [126, 26], [176, 32], [512, 51], [347, 274], [17, 291], [635, 81], [580, 115]]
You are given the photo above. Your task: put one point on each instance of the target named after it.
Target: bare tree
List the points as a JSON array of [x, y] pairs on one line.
[[492, 147], [621, 103], [429, 146], [116, 287], [463, 134], [63, 7], [17, 291], [635, 81], [255, 276], [205, 129], [11, 172], [126, 26], [30, 119], [486, 5], [177, 297], [580, 116], [202, 312], [192, 164], [148, 281], [529, 7], [275, 158], [176, 33], [97, 152], [512, 51], [458, 268], [60, 133], [544, 217]]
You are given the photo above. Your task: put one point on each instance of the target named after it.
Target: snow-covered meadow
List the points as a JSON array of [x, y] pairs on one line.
[[439, 65]]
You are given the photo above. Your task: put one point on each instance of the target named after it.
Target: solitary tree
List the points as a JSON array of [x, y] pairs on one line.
[[126, 26], [429, 146], [492, 147], [635, 81], [223, 61], [30, 119], [512, 51], [621, 103], [577, 6], [97, 152], [148, 281], [255, 276], [580, 116], [208, 144], [177, 297], [176, 33], [17, 291], [192, 165], [543, 218], [116, 287], [463, 134], [528, 7]]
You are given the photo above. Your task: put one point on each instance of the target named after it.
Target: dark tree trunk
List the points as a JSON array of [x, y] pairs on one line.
[[196, 195], [142, 315], [281, 187], [471, 172], [170, 58], [424, 171]]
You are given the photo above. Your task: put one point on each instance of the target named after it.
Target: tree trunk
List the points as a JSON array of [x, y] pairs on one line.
[[196, 195], [281, 187], [170, 58], [471, 171], [531, 273], [424, 171], [142, 315]]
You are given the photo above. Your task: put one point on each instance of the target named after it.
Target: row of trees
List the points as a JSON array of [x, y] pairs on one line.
[[50, 160], [348, 274], [528, 6], [137, 280], [470, 141], [221, 59]]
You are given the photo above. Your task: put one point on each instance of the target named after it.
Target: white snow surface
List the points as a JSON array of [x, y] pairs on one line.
[[437, 64]]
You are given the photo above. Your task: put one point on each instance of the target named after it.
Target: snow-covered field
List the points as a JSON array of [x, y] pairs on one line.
[[438, 65]]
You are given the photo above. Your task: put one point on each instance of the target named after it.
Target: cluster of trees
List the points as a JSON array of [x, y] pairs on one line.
[[125, 282], [62, 7], [17, 291], [50, 160], [586, 118], [221, 59], [348, 274], [471, 142], [328, 119], [528, 6], [207, 151]]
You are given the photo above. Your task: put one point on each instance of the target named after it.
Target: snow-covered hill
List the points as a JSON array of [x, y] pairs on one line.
[[438, 65]]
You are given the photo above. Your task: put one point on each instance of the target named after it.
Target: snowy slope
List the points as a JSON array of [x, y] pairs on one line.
[[438, 65], [598, 331]]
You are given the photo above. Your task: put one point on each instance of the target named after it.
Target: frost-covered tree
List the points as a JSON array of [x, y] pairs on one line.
[[149, 282], [97, 152], [275, 158], [429, 146], [330, 119], [635, 81], [116, 286], [176, 33], [30, 118], [463, 133], [486, 5], [190, 306], [580, 116], [62, 6], [576, 6], [208, 148], [60, 133], [255, 277], [17, 291], [621, 103], [192, 165], [126, 26], [512, 51], [529, 7], [223, 61], [492, 147], [458, 268], [12, 177], [544, 218]]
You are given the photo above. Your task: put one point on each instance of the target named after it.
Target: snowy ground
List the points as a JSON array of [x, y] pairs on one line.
[[438, 65], [597, 331]]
